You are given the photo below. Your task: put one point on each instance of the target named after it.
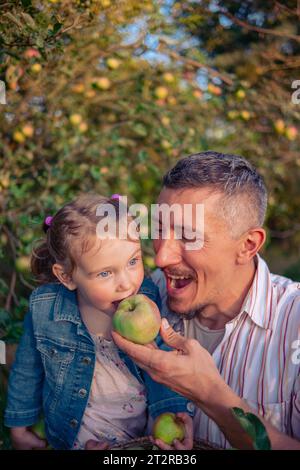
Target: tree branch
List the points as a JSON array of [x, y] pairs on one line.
[[257, 29], [198, 65]]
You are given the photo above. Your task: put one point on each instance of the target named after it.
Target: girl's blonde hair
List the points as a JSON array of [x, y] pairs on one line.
[[73, 223]]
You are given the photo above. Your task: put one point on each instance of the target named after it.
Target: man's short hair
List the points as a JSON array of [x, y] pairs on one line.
[[245, 195]]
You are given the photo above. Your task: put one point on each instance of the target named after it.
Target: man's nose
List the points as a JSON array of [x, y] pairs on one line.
[[167, 252]]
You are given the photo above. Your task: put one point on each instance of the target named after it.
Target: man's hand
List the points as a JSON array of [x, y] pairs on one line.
[[95, 445], [189, 369], [24, 439], [187, 443]]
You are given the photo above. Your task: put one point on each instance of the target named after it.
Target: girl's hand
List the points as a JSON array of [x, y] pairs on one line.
[[24, 439], [187, 443], [95, 445]]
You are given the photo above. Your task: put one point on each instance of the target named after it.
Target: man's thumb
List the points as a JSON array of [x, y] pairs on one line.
[[170, 337]]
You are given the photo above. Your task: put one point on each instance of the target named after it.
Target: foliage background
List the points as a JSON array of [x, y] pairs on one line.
[[106, 95]]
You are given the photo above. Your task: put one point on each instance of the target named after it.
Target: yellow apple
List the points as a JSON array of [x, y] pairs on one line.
[[166, 145], [197, 94], [78, 88], [36, 68], [161, 92], [165, 120], [83, 127], [113, 63], [22, 263], [291, 133], [75, 119], [28, 130], [168, 77], [245, 115], [240, 94], [279, 126], [103, 83], [19, 137]]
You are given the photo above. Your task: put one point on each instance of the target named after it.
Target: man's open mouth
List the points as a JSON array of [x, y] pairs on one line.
[[178, 282]]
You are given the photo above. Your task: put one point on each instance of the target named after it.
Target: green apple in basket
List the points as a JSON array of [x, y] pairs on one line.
[[39, 429], [167, 427]]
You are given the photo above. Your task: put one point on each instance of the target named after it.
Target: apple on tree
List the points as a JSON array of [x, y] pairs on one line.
[[137, 319], [167, 427]]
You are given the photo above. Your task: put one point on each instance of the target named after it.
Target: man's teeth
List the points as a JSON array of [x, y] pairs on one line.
[[174, 279], [179, 277]]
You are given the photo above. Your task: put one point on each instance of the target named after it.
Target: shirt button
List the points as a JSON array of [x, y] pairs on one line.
[[190, 407], [87, 360], [82, 392], [73, 423]]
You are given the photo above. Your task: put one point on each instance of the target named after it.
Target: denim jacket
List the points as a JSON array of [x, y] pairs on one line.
[[54, 365]]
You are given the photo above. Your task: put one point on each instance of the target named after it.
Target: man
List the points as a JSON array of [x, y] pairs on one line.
[[240, 322]]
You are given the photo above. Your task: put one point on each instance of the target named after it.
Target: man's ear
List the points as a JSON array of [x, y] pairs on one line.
[[64, 278], [250, 243]]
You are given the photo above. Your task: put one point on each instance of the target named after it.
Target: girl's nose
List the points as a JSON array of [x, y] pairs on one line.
[[124, 282]]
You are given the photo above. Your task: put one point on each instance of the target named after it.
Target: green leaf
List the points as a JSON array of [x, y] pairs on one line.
[[253, 426], [26, 3], [56, 27]]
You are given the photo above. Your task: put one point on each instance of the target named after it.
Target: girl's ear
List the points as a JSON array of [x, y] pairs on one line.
[[64, 278]]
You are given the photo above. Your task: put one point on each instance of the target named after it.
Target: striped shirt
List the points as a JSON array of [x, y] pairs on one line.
[[259, 355]]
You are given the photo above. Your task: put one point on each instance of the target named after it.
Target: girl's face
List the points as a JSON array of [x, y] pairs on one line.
[[108, 273]]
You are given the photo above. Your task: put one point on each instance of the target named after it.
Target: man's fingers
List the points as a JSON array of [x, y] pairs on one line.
[[162, 445], [188, 425], [171, 338], [95, 445], [184, 445]]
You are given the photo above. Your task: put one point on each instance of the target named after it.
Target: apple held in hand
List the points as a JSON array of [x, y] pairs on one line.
[[39, 429], [168, 427], [137, 319]]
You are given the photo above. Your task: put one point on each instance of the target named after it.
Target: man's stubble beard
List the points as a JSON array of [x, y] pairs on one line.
[[187, 314]]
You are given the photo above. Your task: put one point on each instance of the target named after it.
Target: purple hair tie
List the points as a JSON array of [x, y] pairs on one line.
[[115, 196], [48, 220]]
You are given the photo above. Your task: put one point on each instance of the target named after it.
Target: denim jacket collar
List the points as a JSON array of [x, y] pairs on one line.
[[66, 307]]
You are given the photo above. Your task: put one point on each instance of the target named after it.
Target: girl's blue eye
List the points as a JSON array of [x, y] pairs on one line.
[[103, 274], [133, 261]]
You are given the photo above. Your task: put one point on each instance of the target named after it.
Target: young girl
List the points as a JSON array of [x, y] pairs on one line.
[[67, 366]]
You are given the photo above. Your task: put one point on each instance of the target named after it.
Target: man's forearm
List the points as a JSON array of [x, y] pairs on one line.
[[218, 406]]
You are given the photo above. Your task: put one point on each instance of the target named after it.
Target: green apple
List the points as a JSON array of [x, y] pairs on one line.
[[137, 319], [39, 429], [168, 427]]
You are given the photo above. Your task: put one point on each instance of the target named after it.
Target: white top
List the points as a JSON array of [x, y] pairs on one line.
[[209, 339], [116, 409]]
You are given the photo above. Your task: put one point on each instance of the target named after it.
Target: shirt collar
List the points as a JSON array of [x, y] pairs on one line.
[[258, 300], [66, 306]]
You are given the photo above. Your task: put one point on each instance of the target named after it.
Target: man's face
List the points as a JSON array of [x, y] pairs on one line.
[[207, 271]]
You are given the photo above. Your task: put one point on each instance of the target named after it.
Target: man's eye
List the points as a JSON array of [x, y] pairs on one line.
[[103, 274]]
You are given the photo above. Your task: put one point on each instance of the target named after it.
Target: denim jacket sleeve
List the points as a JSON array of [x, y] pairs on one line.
[[24, 402], [161, 398]]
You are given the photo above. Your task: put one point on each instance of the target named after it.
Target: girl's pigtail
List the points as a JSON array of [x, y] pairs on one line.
[[42, 260]]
